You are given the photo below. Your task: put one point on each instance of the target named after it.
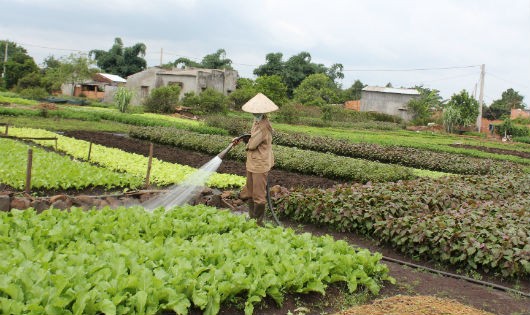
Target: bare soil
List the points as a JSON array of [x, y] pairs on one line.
[[409, 281], [522, 154]]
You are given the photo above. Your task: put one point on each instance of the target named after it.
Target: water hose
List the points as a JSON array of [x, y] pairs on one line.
[[270, 204]]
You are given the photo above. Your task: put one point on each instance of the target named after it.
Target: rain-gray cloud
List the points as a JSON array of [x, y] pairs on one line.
[[361, 35]]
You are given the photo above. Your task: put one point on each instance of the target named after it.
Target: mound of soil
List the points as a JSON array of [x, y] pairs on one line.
[[414, 305]]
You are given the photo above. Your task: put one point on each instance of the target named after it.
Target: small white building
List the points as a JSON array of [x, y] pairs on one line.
[[390, 101], [190, 80]]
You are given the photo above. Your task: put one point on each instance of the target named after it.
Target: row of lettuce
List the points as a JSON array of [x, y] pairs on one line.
[[129, 261], [474, 222], [53, 171], [117, 168]]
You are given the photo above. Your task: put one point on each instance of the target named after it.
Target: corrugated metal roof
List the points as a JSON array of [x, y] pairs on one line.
[[113, 77], [391, 90]]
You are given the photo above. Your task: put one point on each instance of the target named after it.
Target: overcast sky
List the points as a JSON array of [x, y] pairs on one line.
[[363, 36]]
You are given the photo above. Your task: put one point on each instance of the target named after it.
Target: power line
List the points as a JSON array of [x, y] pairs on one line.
[[413, 69], [449, 78], [199, 59], [251, 65], [53, 48], [508, 81]]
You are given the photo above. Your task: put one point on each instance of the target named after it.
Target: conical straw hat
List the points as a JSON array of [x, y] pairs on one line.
[[259, 104]]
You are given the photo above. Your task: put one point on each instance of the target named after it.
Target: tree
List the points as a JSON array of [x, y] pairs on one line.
[[354, 91], [422, 107], [216, 60], [273, 87], [317, 89], [245, 90], [274, 65], [335, 72], [51, 62], [185, 63], [31, 80], [503, 106], [120, 60], [73, 69], [18, 65], [463, 110], [296, 69]]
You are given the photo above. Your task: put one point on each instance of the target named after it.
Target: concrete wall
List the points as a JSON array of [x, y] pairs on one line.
[[194, 80], [388, 103], [110, 90], [135, 82]]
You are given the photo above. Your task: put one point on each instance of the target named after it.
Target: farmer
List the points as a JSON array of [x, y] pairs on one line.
[[260, 158]]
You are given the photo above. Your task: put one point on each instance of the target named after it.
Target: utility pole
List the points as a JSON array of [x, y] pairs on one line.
[[161, 53], [5, 60], [481, 96]]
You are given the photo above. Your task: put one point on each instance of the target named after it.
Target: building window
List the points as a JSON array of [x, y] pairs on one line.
[[144, 91], [176, 83]]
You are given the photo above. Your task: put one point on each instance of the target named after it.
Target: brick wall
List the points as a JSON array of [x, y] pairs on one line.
[[353, 105]]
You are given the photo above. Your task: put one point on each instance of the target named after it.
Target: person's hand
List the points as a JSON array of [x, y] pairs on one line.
[[236, 141]]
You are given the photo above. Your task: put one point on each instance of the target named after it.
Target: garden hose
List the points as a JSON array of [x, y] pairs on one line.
[[270, 203]]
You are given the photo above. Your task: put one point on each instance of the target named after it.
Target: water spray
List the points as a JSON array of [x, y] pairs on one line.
[[183, 193]]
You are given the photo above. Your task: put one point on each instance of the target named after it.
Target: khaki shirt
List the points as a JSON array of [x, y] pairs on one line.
[[260, 158]]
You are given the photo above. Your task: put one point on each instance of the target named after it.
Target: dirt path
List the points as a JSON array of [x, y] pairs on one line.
[[409, 281]]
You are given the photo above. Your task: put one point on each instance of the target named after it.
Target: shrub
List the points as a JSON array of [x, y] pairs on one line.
[[239, 97], [234, 126], [212, 101], [34, 93], [208, 102], [123, 97], [163, 99], [522, 139], [384, 117], [512, 129], [288, 114]]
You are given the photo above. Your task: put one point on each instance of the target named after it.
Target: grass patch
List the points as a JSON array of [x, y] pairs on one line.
[[16, 100], [60, 124]]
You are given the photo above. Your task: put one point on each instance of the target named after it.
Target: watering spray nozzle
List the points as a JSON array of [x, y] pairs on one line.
[[245, 139]]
